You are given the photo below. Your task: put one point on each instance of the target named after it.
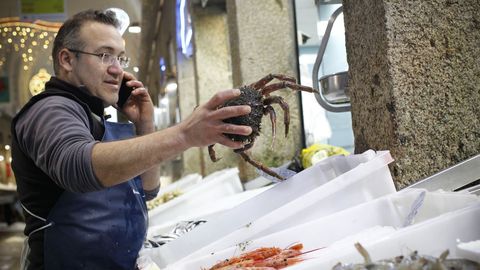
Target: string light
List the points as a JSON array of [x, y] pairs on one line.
[[25, 39]]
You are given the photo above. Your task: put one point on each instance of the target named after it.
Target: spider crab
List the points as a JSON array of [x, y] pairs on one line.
[[257, 96]]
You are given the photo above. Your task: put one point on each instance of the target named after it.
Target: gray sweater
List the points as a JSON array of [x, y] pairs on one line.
[[66, 156]]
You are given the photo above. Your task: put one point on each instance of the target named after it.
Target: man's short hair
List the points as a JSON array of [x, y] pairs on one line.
[[68, 34]]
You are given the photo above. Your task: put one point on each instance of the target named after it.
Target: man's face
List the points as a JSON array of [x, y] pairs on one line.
[[101, 79]]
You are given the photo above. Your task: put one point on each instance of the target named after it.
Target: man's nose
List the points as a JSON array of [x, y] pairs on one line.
[[115, 68]]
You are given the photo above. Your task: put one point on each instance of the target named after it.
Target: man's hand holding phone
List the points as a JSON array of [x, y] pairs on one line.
[[135, 102], [124, 93]]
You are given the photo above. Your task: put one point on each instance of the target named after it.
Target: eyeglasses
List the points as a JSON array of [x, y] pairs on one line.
[[107, 59]]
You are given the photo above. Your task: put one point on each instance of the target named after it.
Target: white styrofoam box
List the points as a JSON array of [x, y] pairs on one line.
[[430, 237], [365, 182], [183, 184], [208, 261], [213, 187], [376, 218], [332, 167], [350, 173], [221, 173], [469, 250], [205, 211]]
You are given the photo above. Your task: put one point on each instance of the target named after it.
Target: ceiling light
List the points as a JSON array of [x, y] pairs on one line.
[[134, 28]]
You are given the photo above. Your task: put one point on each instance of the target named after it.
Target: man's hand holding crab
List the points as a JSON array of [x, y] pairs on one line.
[[205, 125]]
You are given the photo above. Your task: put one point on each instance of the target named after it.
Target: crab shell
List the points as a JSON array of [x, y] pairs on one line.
[[254, 99]]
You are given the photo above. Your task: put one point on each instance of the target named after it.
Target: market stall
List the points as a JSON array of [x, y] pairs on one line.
[[328, 209]]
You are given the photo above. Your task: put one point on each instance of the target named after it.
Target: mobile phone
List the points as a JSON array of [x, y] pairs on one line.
[[124, 93]]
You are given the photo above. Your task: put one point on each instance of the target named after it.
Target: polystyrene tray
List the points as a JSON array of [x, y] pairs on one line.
[[205, 211], [469, 250], [363, 183], [350, 173], [213, 187], [430, 237], [184, 184], [373, 219]]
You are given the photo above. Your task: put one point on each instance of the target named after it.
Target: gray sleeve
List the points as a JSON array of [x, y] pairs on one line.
[[55, 133]]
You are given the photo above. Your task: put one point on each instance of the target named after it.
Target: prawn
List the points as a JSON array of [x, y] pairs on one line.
[[248, 268], [286, 258], [261, 253], [237, 265], [265, 258], [257, 254]]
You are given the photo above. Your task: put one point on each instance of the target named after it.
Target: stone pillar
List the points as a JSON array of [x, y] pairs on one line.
[[187, 96], [210, 72], [414, 81], [262, 41], [213, 69]]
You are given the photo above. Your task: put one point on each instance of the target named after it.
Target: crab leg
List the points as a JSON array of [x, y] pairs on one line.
[[277, 86], [211, 153], [286, 109], [260, 166], [263, 81], [244, 148], [273, 118]]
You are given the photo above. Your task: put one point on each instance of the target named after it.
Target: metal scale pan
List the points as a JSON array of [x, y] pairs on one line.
[[333, 94]]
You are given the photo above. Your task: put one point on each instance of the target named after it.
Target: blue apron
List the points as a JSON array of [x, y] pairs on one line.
[[98, 230]]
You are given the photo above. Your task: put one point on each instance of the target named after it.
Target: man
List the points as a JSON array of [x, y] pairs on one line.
[[83, 181]]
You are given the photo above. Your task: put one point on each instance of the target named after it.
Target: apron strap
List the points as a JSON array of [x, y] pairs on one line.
[[38, 217], [32, 214]]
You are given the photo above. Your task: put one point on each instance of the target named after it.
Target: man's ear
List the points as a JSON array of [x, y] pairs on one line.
[[65, 59]]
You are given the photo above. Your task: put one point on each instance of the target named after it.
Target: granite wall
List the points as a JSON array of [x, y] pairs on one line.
[[414, 81], [262, 41], [212, 71], [223, 60]]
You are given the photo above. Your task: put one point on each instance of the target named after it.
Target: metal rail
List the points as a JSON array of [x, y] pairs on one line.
[[453, 178]]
